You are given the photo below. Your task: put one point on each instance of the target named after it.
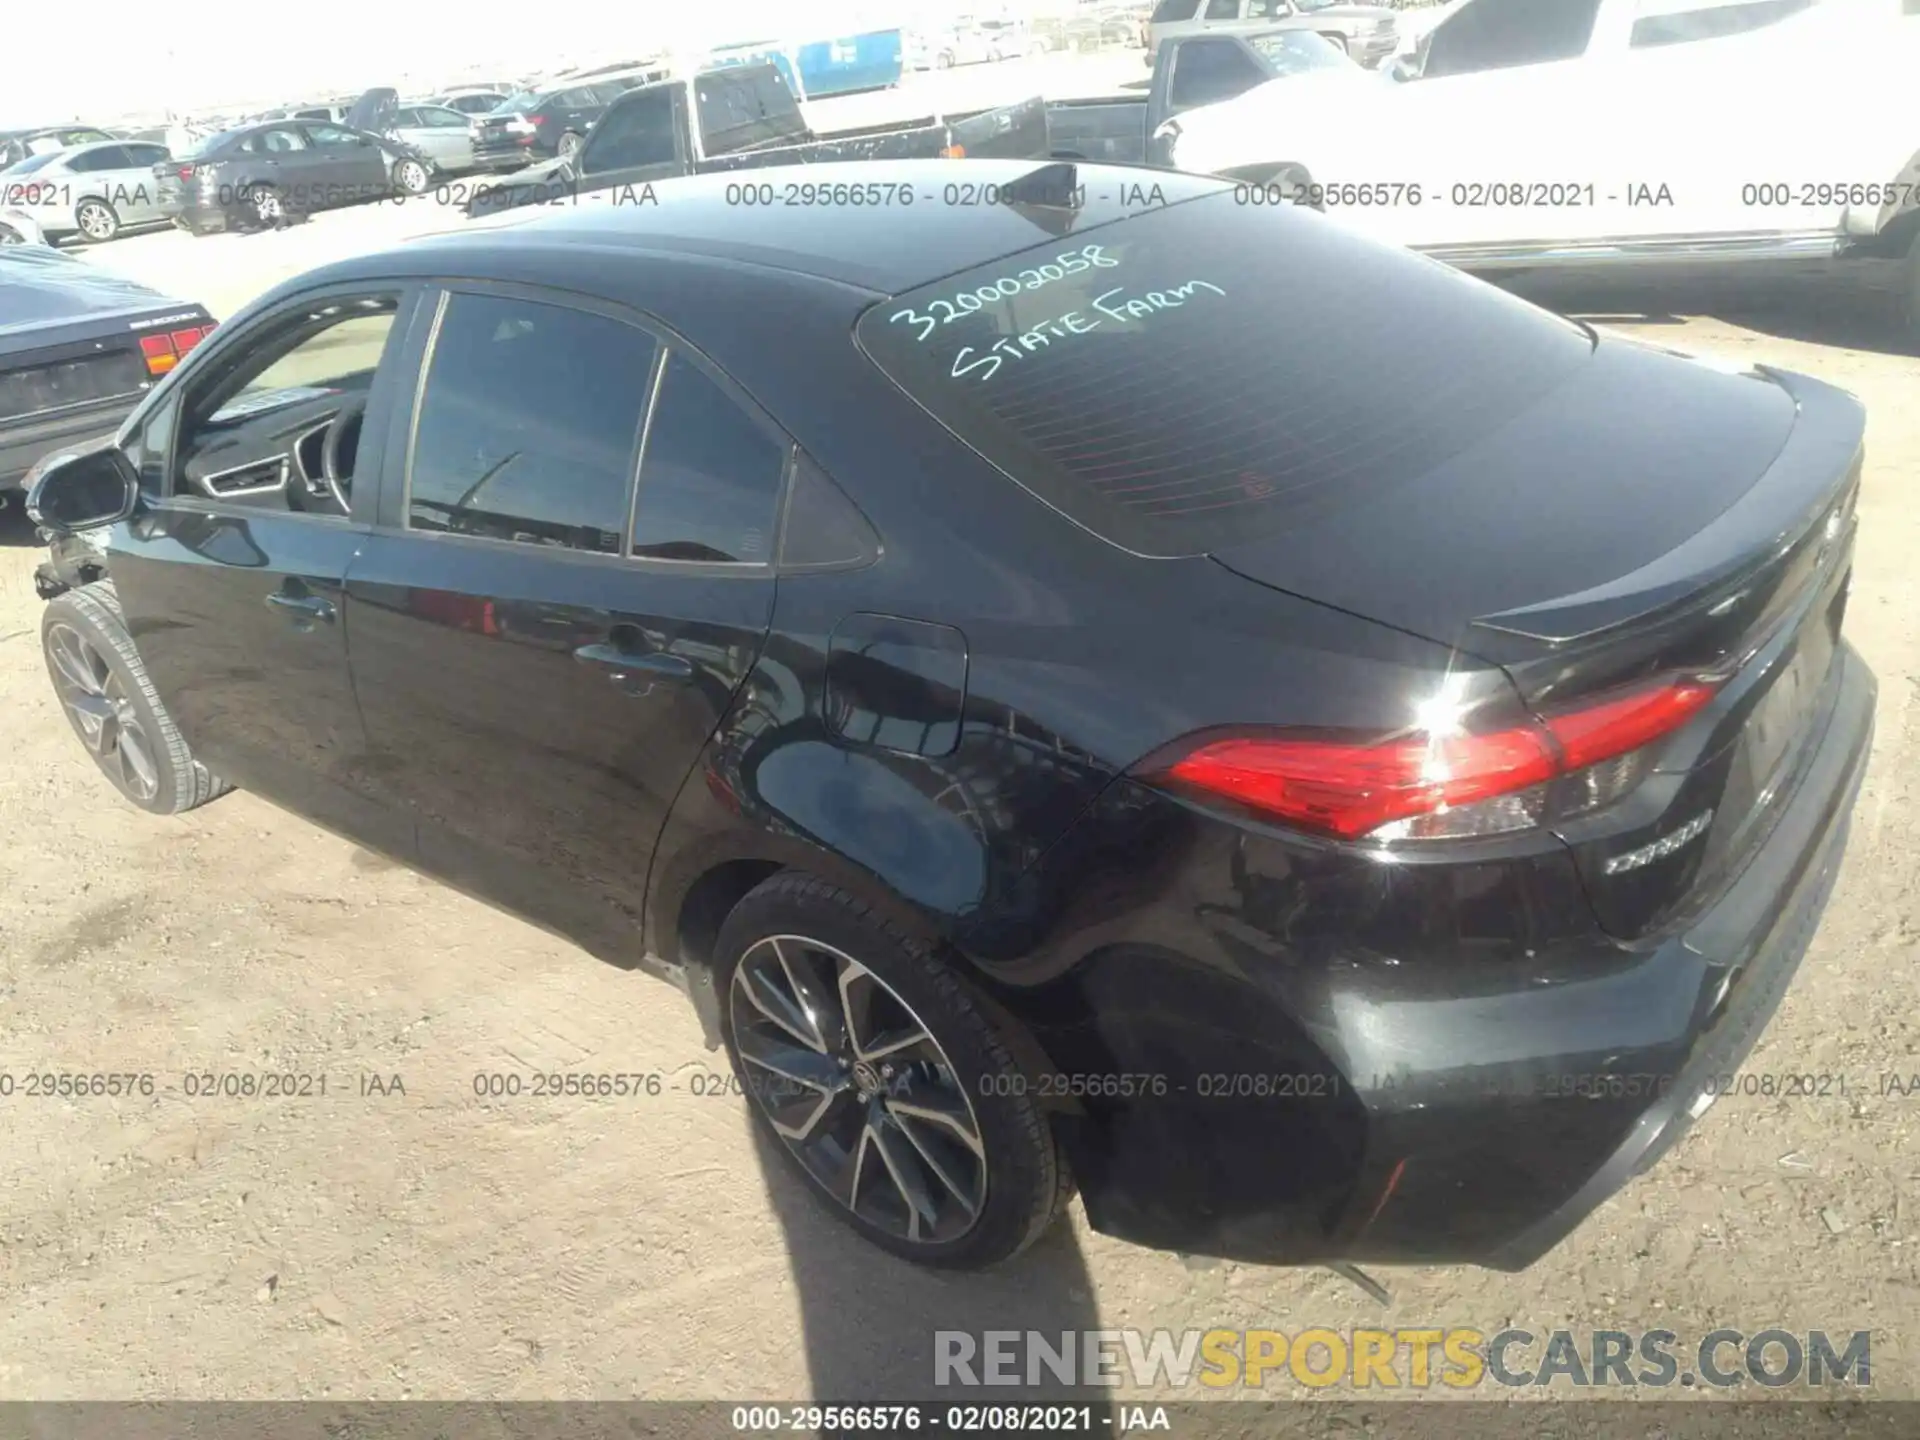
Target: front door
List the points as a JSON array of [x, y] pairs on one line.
[[539, 660], [232, 579]]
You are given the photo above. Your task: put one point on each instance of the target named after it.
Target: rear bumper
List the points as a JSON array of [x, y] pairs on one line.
[[501, 159], [1282, 1055], [1756, 937], [23, 444]]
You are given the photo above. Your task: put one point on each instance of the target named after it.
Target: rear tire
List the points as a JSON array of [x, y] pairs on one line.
[[988, 1179], [113, 707], [266, 208], [570, 144]]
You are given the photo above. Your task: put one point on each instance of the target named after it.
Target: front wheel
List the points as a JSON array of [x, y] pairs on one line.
[[878, 1072], [410, 177], [570, 144], [114, 708]]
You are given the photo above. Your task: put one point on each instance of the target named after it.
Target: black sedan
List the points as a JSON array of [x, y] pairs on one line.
[[1048, 716], [79, 348], [267, 175]]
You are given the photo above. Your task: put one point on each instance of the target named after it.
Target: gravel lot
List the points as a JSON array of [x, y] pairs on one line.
[[432, 1244]]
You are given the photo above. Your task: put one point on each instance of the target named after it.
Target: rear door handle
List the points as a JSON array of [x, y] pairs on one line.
[[307, 608], [635, 672]]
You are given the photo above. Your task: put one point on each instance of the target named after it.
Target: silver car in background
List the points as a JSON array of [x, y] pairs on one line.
[[439, 132], [93, 191]]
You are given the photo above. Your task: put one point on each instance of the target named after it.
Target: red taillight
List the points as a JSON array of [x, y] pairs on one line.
[[1601, 731], [1350, 789], [163, 352], [158, 350], [185, 172]]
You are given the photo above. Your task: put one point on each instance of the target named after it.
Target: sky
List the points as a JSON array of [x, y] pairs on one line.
[[142, 58]]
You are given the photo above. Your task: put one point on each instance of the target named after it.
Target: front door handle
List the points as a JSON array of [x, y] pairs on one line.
[[305, 609], [635, 672]]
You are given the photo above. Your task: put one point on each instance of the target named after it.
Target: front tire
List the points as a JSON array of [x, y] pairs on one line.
[[410, 177], [881, 1079], [113, 707], [98, 221], [570, 144]]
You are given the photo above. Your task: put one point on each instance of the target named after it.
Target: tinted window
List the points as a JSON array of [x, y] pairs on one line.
[[437, 117], [579, 98], [745, 107], [1223, 10], [1494, 34], [1167, 11], [824, 530], [275, 142], [146, 154], [1711, 22], [1210, 372], [710, 477], [1211, 70], [331, 135], [107, 157], [528, 425], [407, 115], [638, 131]]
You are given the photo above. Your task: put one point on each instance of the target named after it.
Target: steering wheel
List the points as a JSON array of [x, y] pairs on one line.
[[339, 482]]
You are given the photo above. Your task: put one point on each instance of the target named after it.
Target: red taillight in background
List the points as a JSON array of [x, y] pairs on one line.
[[163, 352], [1351, 789], [185, 172]]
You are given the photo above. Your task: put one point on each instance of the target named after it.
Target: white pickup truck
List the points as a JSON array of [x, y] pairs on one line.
[[1532, 133]]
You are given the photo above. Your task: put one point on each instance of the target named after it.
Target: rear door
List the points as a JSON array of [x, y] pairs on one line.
[[231, 580], [540, 658], [137, 196], [356, 168]]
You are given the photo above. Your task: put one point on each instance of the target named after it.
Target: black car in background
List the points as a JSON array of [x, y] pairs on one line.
[[18, 145], [1330, 757], [533, 125], [79, 348], [271, 173]]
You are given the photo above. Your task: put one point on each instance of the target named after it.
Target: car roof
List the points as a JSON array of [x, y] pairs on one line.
[[883, 249]]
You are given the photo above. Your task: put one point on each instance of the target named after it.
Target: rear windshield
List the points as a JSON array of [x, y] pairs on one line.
[[1212, 372]]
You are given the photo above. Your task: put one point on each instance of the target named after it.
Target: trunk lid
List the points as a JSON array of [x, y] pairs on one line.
[[1698, 522]]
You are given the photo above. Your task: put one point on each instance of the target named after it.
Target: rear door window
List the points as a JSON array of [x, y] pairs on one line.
[[1209, 372], [529, 424]]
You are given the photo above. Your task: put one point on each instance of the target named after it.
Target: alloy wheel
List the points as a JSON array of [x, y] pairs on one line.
[[96, 221], [858, 1089], [103, 712], [266, 205], [413, 177]]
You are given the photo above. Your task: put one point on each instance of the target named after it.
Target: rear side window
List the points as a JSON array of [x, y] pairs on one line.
[[1708, 22], [1498, 34], [529, 424], [710, 476], [638, 131], [1168, 11], [1206, 71], [1211, 372]]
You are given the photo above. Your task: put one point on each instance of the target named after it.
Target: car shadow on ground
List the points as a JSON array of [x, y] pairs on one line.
[[1811, 309], [869, 1321]]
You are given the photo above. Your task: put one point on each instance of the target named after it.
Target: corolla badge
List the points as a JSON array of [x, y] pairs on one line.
[[1665, 845]]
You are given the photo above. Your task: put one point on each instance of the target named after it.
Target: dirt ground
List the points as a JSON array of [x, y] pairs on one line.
[[436, 1244]]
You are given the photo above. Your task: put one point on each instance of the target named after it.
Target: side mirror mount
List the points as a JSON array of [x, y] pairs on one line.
[[73, 490]]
